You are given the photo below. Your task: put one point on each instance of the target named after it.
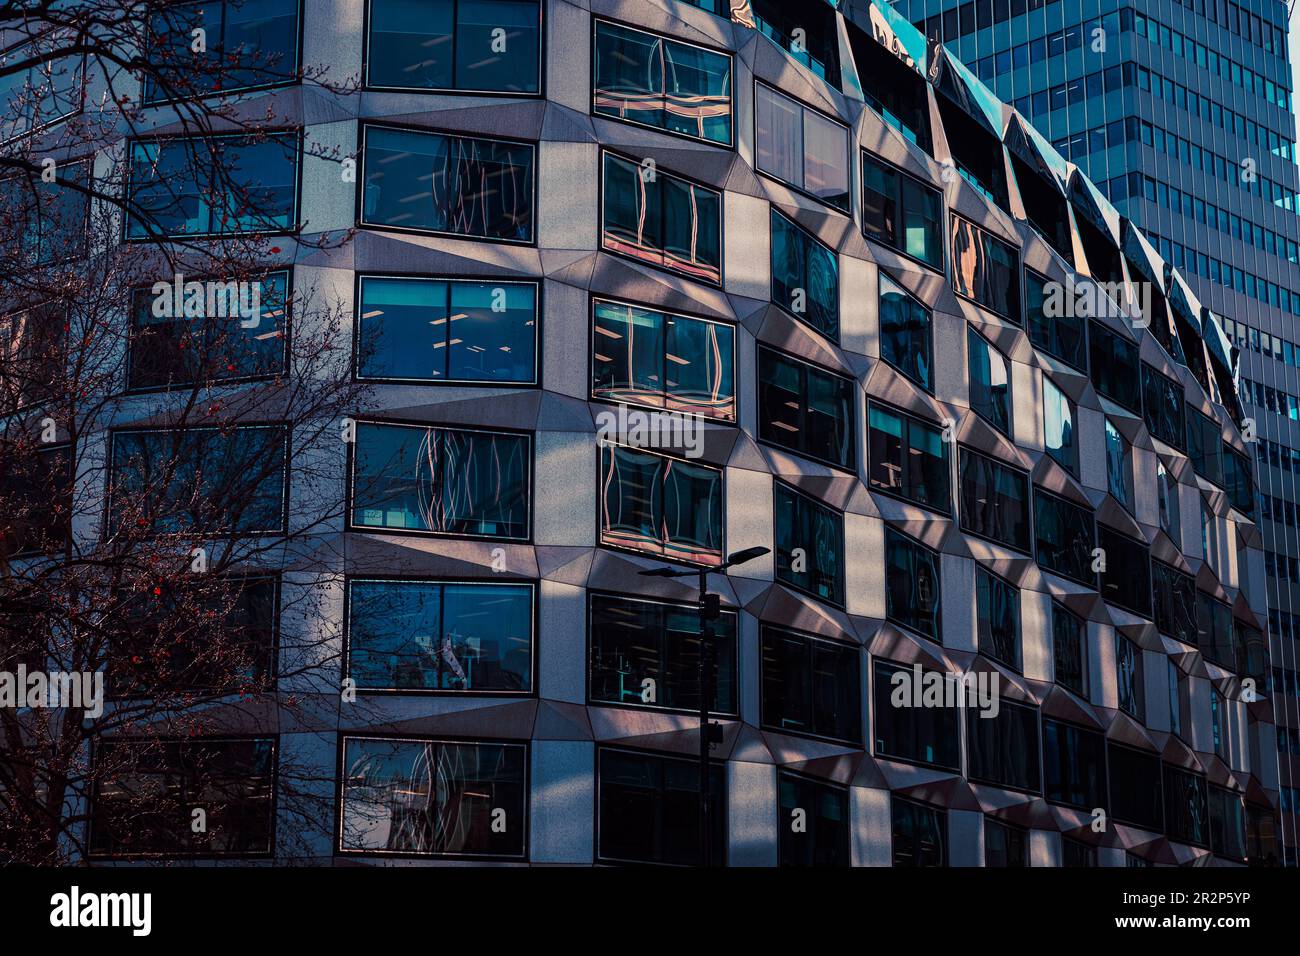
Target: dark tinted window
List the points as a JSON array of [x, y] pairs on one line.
[[1134, 787], [994, 500], [805, 277], [1126, 581], [806, 409], [985, 269], [1162, 400], [809, 545], [1063, 537], [1187, 814], [1061, 335], [905, 333], [911, 584], [1074, 765], [1069, 638], [660, 505], [1003, 749], [811, 686], [649, 813], [1115, 367], [907, 729], [814, 822], [902, 212], [1005, 845], [908, 458], [919, 834]]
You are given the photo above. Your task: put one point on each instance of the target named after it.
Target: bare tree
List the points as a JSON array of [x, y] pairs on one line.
[[161, 377]]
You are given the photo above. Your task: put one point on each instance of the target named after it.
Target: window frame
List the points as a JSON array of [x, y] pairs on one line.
[[974, 335], [1028, 549], [1029, 325], [801, 189], [855, 393], [884, 277], [359, 277], [783, 822], [908, 419], [841, 577], [808, 641], [942, 266], [776, 213], [1018, 269]]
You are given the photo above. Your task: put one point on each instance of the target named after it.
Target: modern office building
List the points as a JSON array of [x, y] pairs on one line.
[[1182, 114], [653, 282]]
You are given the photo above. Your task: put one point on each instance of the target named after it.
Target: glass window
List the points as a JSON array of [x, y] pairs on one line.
[[1128, 676], [905, 727], [445, 330], [648, 808], [801, 147], [1167, 495], [647, 654], [1214, 632], [1175, 602], [1003, 748], [208, 331], [1119, 466], [1187, 814], [1205, 446], [1217, 707], [670, 85], [1173, 681], [805, 277], [911, 584], [1063, 535], [1074, 765], [433, 798], [1163, 404], [1058, 426], [985, 269], [442, 636], [36, 489], [146, 806], [647, 357], [442, 480], [997, 618], [1237, 481], [811, 686], [247, 44], [919, 833], [905, 333], [1076, 854], [990, 382], [660, 505], [1115, 367], [908, 458], [661, 219], [1069, 639], [455, 185], [216, 185], [806, 409], [206, 480], [1062, 336], [1126, 581], [37, 89], [809, 545], [814, 822], [1005, 845], [491, 46], [902, 212], [1135, 796], [1227, 824], [994, 500]]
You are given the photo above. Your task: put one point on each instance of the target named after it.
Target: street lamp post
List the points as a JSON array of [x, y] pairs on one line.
[[709, 609]]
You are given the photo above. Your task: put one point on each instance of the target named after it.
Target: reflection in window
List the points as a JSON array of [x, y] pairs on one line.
[[1069, 638], [1003, 749], [1167, 501], [1063, 537], [1134, 786], [985, 269], [1074, 765], [434, 798], [457, 185], [443, 330], [1076, 854], [443, 480], [905, 334], [660, 505], [805, 277], [902, 212], [823, 839], [1237, 481], [42, 92], [1205, 446], [648, 809], [1175, 602], [1163, 407], [647, 654], [809, 545], [33, 354], [990, 382], [1187, 815], [908, 458], [143, 802], [647, 357], [661, 219], [667, 84], [44, 225], [1128, 676], [1174, 684], [911, 584], [929, 735], [247, 43], [1119, 467], [806, 409], [1227, 824], [36, 499], [1217, 707], [215, 185], [177, 343], [454, 45], [200, 479], [997, 618], [801, 147], [432, 635], [1063, 336], [1005, 845], [1115, 367], [1126, 578], [1058, 427], [994, 500], [919, 833], [811, 686], [1214, 632]]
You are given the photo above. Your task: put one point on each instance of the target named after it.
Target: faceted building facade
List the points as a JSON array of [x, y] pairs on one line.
[[646, 283], [1182, 113]]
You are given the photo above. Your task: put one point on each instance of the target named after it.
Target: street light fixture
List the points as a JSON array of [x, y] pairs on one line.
[[710, 608]]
